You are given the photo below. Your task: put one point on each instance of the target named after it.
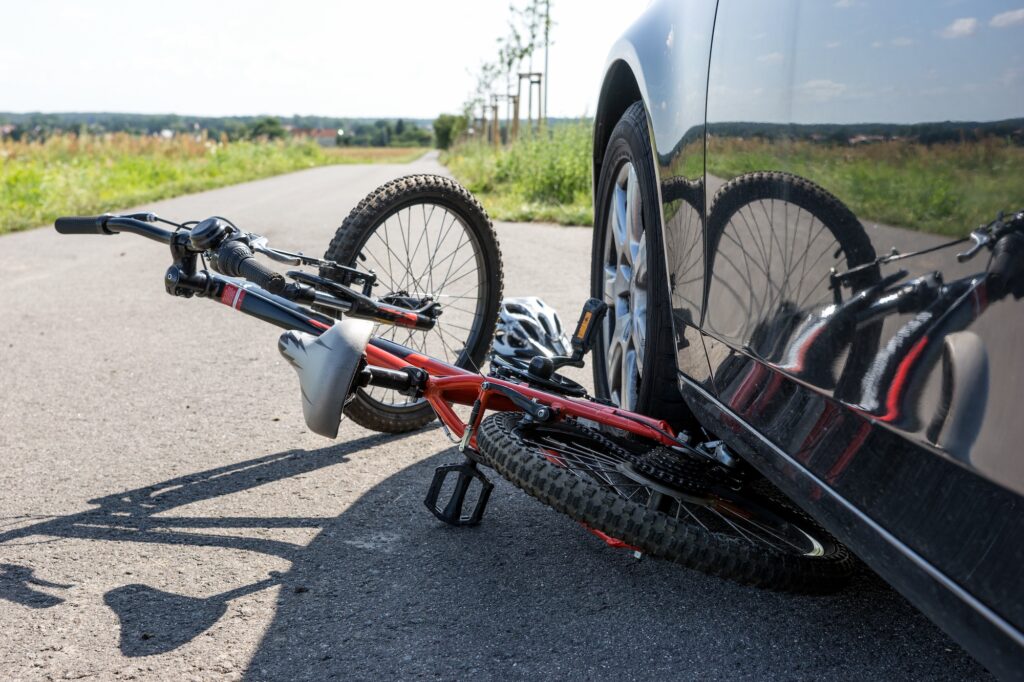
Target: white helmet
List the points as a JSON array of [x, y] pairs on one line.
[[528, 327]]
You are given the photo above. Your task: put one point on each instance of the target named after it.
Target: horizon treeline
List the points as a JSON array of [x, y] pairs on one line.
[[363, 132]]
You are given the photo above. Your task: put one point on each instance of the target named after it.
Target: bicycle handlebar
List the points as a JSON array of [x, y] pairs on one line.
[[231, 256], [110, 224]]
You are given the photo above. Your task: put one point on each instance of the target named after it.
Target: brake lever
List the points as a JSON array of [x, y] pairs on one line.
[[981, 237], [261, 245]]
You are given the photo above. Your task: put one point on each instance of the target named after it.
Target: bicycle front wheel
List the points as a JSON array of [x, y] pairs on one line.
[[424, 235]]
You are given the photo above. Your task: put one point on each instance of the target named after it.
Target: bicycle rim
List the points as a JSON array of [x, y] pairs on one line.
[[424, 248]]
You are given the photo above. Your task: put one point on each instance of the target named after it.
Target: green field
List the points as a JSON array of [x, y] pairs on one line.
[[84, 175], [943, 188], [543, 176]]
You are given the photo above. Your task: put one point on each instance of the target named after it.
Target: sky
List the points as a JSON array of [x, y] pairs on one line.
[[384, 58], [855, 61]]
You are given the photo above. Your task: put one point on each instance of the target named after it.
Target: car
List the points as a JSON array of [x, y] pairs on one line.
[[776, 190]]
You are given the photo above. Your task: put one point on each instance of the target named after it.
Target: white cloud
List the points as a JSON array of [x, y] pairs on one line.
[[822, 89], [961, 28], [1014, 16], [901, 42], [876, 44], [845, 4], [770, 58], [833, 45]]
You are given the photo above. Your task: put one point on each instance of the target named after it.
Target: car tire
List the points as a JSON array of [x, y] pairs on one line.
[[634, 361]]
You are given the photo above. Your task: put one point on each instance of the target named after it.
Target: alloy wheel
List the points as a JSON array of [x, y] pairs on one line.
[[625, 289]]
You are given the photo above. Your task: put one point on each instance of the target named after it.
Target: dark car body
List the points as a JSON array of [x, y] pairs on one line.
[[912, 115]]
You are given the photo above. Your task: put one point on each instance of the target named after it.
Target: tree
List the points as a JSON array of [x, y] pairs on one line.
[[529, 28], [446, 129], [268, 127], [400, 127]]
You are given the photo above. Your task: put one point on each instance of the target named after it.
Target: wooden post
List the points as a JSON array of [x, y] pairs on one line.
[[542, 115], [533, 78], [514, 133], [529, 99], [496, 132]]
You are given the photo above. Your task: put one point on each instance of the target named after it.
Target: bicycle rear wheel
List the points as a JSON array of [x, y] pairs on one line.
[[424, 235], [666, 504]]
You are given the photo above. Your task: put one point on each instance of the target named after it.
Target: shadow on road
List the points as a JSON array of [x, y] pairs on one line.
[[388, 592], [16, 585], [154, 621], [385, 590]]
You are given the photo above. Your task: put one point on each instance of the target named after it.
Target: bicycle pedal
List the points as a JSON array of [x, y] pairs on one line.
[[465, 475], [588, 327]]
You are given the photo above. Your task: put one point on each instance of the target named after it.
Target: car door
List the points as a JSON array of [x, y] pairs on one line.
[[837, 132]]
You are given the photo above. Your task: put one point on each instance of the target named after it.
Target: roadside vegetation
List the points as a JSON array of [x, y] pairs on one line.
[[543, 176], [70, 174], [943, 188]]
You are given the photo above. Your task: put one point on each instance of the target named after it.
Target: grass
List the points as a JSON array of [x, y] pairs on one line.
[[543, 176], [84, 175], [944, 189]]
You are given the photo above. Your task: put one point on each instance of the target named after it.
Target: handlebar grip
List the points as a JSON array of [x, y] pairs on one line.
[[262, 276], [82, 225], [235, 259]]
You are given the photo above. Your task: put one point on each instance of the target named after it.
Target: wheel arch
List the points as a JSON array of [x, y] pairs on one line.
[[618, 91]]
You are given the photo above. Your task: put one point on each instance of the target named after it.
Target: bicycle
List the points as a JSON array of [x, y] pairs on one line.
[[631, 479]]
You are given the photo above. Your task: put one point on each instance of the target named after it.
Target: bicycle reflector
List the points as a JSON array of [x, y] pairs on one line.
[[326, 366]]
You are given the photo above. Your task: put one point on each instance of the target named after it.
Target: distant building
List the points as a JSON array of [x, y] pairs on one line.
[[867, 139]]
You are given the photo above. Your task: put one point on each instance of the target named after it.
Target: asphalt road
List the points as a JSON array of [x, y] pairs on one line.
[[166, 514]]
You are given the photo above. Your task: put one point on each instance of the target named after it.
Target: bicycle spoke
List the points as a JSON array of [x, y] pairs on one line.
[[425, 249]]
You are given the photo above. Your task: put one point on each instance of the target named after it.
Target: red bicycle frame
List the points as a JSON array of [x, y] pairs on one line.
[[447, 386]]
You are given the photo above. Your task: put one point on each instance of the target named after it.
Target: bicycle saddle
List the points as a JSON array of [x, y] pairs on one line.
[[327, 366]]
